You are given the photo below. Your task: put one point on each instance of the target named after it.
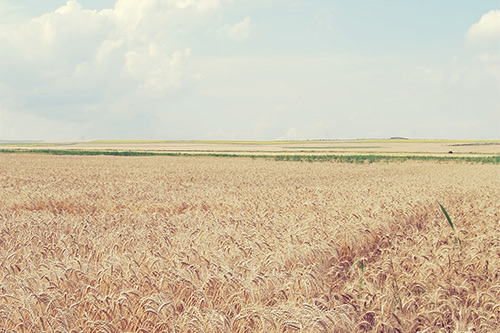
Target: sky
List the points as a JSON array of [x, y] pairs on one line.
[[249, 69]]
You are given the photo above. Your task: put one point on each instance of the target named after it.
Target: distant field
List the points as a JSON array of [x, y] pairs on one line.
[[296, 141], [313, 147], [216, 244], [310, 157]]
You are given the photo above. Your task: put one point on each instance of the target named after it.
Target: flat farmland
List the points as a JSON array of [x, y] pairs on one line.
[[213, 244], [480, 148]]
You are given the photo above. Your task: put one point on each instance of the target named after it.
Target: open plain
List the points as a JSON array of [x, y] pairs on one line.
[[214, 244], [309, 147]]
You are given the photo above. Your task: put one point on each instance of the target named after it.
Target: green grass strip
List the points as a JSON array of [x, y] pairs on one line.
[[293, 158], [387, 158]]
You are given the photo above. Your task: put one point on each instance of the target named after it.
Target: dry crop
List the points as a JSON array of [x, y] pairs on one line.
[[204, 244]]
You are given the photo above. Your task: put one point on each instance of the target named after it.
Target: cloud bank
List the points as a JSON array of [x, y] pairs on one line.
[[486, 31], [80, 65], [239, 31], [219, 69]]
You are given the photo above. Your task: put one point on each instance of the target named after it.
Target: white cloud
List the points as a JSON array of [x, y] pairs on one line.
[[155, 68], [106, 50], [292, 134], [59, 42], [10, 14], [97, 55], [71, 6], [483, 38], [75, 65], [489, 58], [239, 31], [201, 5], [53, 44], [486, 31]]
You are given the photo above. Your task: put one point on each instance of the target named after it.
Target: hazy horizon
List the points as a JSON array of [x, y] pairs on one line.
[[249, 70]]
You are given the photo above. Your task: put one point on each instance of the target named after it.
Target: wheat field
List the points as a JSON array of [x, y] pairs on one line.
[[206, 244]]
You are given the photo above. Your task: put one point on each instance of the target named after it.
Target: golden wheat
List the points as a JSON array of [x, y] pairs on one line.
[[198, 244]]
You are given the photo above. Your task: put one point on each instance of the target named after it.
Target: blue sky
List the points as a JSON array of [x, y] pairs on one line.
[[249, 70]]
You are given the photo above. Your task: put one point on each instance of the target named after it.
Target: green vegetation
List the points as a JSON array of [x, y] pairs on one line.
[[362, 267], [296, 158], [85, 152], [447, 216], [457, 239], [387, 158], [34, 144]]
